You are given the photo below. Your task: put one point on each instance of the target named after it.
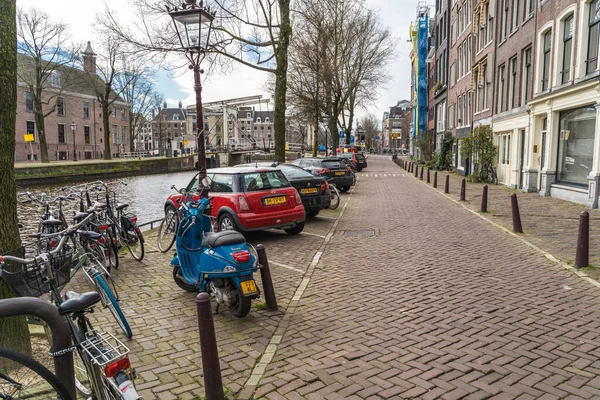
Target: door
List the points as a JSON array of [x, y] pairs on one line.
[[504, 154], [522, 160]]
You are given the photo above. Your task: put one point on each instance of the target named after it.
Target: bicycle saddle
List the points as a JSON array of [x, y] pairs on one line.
[[52, 222], [121, 206], [80, 215], [78, 302], [89, 234], [216, 239]]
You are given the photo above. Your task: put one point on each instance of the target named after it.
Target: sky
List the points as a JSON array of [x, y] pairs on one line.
[[244, 81]]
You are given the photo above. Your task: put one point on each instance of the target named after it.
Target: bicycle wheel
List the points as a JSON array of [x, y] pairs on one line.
[[134, 241], [335, 199], [108, 300], [24, 378], [113, 256], [167, 232]]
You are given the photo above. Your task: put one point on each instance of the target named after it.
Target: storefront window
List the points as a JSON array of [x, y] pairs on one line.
[[576, 145]]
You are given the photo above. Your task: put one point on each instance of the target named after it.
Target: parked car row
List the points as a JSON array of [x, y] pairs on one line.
[[265, 195]]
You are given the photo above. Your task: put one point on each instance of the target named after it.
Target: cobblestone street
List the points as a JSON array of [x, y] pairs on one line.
[[399, 293]]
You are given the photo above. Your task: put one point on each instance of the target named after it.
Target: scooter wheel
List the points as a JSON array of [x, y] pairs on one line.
[[181, 282], [242, 307]]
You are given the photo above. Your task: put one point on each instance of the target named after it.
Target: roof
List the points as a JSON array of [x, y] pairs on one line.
[[76, 80], [167, 114]]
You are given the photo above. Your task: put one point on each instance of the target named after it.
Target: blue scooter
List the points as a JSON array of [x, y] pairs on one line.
[[219, 263]]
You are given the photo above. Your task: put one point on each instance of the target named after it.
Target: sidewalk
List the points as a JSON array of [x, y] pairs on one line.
[[549, 223]]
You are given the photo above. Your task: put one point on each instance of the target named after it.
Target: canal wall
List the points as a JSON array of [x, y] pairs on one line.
[[36, 174]]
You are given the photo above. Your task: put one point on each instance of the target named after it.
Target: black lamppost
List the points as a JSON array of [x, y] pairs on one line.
[[193, 23], [326, 120], [73, 128]]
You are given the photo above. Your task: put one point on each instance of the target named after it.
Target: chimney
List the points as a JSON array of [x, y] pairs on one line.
[[179, 103], [165, 104], [89, 60]]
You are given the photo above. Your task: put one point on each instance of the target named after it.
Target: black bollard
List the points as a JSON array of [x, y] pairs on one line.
[[428, 178], [582, 257], [265, 276], [484, 199], [416, 170], [435, 179], [463, 189], [517, 228], [447, 186], [213, 384]]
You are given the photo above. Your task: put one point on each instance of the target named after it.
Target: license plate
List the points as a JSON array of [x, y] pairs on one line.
[[340, 173], [248, 287], [309, 191], [271, 201]]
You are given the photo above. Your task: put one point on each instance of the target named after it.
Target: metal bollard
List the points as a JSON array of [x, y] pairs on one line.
[[447, 185], [421, 176], [582, 257], [61, 335], [416, 170], [265, 276], [435, 179], [484, 199], [463, 189], [213, 384], [428, 178], [517, 228]]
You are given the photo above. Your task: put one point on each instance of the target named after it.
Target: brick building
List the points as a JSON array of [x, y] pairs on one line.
[[76, 106], [460, 57], [168, 128], [396, 122]]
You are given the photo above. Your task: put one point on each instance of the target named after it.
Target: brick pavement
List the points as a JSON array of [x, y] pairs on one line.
[[437, 304]]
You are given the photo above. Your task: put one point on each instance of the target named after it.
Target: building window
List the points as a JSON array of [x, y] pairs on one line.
[[86, 134], [594, 37], [123, 134], [114, 112], [504, 20], [576, 145], [468, 116], [60, 106], [543, 144], [515, 15], [486, 89], [526, 77], [31, 129], [55, 79], [451, 117], [512, 81], [258, 120], [61, 133], [115, 135], [567, 49], [248, 115], [546, 60], [489, 25], [28, 102], [452, 75], [505, 149], [459, 123], [123, 113], [528, 8], [501, 88]]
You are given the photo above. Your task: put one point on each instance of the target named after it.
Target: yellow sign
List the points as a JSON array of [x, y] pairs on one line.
[[287, 146], [29, 137], [395, 135], [185, 142]]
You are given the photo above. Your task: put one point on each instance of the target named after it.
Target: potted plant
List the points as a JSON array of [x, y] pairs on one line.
[[437, 86], [474, 178]]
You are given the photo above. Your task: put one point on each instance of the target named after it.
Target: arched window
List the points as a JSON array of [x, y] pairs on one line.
[[258, 120]]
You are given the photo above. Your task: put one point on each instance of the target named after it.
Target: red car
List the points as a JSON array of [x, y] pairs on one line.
[[250, 199]]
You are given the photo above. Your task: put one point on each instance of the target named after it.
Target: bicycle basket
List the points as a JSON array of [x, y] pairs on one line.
[[31, 280]]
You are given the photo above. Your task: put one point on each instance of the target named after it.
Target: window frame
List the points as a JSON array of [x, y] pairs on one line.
[[593, 26], [64, 136], [525, 75], [60, 106], [86, 135], [567, 50], [546, 59], [512, 83], [28, 101], [32, 131]]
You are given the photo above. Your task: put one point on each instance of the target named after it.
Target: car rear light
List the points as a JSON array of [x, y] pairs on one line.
[[241, 256], [111, 369], [244, 204], [298, 199], [324, 170]]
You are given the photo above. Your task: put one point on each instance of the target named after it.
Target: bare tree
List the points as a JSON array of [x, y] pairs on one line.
[[137, 89], [255, 33], [370, 125], [101, 76], [13, 331], [45, 66]]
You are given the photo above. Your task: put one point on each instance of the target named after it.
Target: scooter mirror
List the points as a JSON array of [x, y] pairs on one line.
[[205, 182]]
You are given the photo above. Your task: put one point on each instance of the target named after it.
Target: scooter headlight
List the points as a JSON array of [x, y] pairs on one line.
[[229, 268]]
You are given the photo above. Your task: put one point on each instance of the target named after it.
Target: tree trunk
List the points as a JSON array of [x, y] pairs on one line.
[[106, 127], [131, 144], [13, 331], [41, 128], [285, 32]]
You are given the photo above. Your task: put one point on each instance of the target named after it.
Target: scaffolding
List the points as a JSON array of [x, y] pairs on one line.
[[419, 37]]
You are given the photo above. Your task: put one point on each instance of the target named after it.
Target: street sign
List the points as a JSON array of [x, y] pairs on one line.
[[185, 142], [351, 139], [378, 138], [29, 137], [342, 134], [394, 135]]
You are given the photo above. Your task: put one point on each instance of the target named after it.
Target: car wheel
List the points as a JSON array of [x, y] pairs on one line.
[[227, 223], [295, 230], [344, 188], [311, 214]]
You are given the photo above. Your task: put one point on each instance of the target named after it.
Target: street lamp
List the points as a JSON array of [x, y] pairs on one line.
[[73, 128], [326, 118], [193, 24]]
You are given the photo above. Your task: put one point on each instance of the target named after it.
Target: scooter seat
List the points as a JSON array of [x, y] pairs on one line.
[[223, 238]]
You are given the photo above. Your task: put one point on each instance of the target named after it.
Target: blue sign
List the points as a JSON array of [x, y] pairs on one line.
[[377, 137], [351, 139], [342, 134], [321, 148]]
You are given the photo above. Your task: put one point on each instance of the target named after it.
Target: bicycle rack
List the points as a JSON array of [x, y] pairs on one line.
[[61, 334]]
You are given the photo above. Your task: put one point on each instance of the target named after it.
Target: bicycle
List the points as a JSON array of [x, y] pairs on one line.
[[167, 231], [104, 370], [335, 196], [488, 173], [21, 377]]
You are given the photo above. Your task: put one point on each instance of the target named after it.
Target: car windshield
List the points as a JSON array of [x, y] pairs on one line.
[[256, 181], [291, 171], [332, 164]]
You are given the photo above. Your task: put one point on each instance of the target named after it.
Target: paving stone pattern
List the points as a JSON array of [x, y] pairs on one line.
[[439, 304]]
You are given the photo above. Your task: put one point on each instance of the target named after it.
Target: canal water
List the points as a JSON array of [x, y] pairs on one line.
[[145, 195]]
